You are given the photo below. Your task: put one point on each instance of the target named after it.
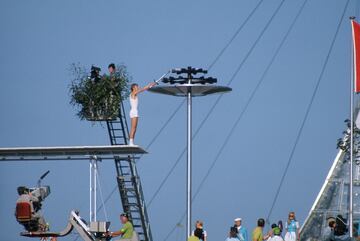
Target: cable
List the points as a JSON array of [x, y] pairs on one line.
[[277, 51], [211, 65], [165, 125], [98, 209], [101, 195], [307, 113], [235, 35], [107, 199], [151, 142], [183, 101], [251, 96], [220, 96], [102, 203]]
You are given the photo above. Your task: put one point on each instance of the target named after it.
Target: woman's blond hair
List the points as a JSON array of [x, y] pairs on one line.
[[291, 214]]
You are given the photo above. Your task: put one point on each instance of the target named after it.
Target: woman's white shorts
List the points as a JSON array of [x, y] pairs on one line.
[[134, 113]]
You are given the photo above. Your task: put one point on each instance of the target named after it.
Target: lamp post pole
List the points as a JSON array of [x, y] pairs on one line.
[[189, 161], [189, 86]]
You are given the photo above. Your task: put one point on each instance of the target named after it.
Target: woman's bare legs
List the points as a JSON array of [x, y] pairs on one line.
[[134, 123]]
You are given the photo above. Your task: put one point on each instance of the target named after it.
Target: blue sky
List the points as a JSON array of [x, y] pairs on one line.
[[40, 39]]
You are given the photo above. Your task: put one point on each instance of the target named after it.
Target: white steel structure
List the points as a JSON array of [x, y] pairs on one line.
[[91, 153], [334, 196]]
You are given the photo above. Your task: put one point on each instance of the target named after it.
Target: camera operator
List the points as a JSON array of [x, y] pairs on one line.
[[112, 69], [25, 196]]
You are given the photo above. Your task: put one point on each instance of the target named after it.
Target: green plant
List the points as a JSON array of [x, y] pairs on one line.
[[98, 100]]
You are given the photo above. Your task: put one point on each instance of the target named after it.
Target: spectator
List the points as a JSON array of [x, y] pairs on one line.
[[292, 228], [276, 234], [127, 230], [271, 232], [242, 232], [196, 236], [200, 225], [257, 234], [233, 235], [329, 230]]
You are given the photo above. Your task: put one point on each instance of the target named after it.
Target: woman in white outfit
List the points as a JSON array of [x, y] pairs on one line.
[[292, 228], [134, 102]]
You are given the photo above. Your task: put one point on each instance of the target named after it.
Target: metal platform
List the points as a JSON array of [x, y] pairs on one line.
[[67, 152], [182, 90]]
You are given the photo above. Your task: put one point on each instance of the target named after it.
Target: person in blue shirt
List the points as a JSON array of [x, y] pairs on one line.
[[292, 228], [242, 232]]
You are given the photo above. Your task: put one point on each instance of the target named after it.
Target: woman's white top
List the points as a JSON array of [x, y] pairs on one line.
[[293, 226], [134, 102]]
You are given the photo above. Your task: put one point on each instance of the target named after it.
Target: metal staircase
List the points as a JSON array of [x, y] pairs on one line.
[[128, 180]]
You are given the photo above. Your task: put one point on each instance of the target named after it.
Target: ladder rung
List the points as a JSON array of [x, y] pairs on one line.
[[126, 174], [122, 177], [133, 204], [125, 181], [131, 196], [130, 190], [126, 188]]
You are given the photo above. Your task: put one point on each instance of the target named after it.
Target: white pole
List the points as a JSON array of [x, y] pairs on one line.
[[351, 162], [189, 163], [351, 142], [93, 170], [90, 188], [95, 189]]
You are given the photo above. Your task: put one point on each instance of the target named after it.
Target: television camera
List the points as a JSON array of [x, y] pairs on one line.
[[28, 206], [95, 73]]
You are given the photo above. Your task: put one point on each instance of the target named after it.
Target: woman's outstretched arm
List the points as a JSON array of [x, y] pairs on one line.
[[145, 88]]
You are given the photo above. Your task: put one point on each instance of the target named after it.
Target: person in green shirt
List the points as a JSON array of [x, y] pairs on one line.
[[127, 229], [257, 234]]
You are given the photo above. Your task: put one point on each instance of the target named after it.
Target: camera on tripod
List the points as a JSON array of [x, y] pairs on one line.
[[95, 73]]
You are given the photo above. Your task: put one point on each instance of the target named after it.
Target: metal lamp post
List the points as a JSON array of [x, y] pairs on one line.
[[188, 84]]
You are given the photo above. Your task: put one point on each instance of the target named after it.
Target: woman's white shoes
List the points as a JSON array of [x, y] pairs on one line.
[[131, 142]]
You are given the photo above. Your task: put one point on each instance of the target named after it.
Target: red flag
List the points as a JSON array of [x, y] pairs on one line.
[[356, 49]]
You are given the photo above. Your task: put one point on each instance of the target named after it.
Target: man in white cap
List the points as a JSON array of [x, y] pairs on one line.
[[242, 232]]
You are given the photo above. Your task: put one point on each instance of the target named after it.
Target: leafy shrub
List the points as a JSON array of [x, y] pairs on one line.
[[98, 99]]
